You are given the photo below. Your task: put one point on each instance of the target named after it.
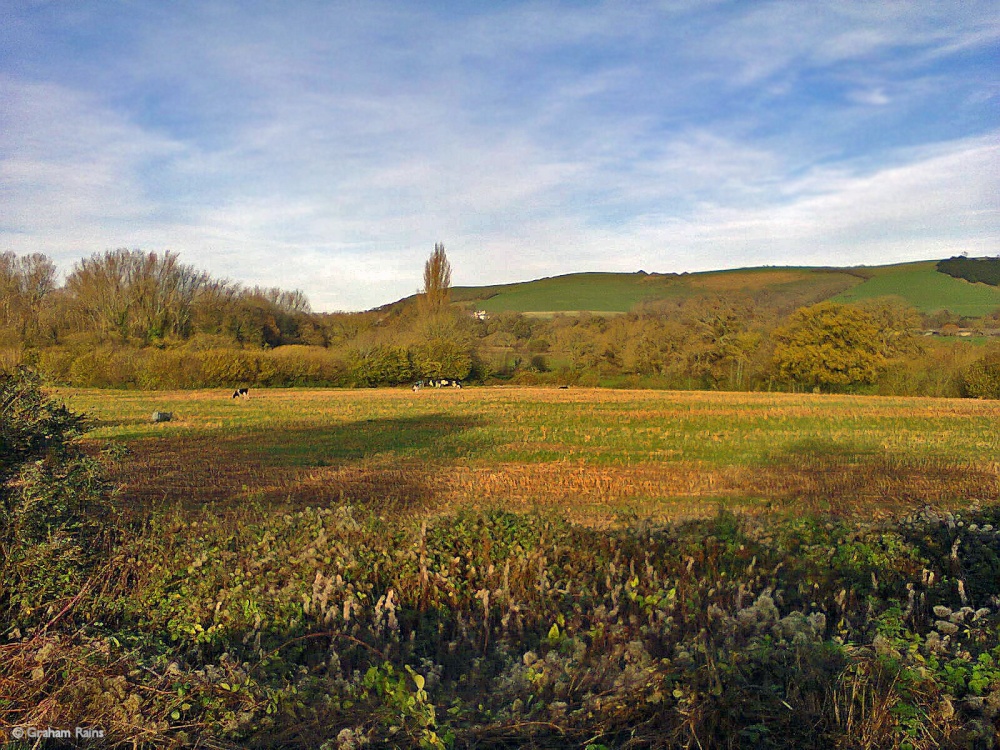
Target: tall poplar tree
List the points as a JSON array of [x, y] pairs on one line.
[[437, 280]]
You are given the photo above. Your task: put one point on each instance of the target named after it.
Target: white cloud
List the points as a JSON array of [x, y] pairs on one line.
[[943, 201], [70, 168], [771, 38], [873, 97]]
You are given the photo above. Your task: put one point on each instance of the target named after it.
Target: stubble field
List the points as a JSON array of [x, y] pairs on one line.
[[597, 456]]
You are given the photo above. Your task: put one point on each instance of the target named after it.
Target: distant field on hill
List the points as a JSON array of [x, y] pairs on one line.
[[928, 290], [587, 453], [621, 292], [596, 292], [919, 283]]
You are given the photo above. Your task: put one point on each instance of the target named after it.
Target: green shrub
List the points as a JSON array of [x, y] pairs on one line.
[[442, 357], [982, 378], [168, 368], [54, 365], [104, 367], [381, 365], [53, 501], [982, 270], [309, 366], [11, 358]]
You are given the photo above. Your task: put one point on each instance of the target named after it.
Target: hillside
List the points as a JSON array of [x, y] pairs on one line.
[[927, 289], [919, 283]]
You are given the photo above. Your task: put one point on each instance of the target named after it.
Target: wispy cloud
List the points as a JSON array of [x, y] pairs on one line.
[[944, 200], [70, 167]]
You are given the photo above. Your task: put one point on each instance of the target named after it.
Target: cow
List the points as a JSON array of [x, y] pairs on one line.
[[243, 393], [437, 383]]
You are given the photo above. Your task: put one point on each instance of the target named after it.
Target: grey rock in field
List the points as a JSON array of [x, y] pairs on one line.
[[162, 416]]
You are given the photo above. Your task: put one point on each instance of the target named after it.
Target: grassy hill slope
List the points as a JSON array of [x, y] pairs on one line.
[[621, 292], [596, 292], [918, 283], [926, 289]]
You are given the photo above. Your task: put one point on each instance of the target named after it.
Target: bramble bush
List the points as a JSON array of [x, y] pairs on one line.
[[54, 502]]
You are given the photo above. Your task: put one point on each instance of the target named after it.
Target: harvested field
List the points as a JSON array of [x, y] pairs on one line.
[[594, 455]]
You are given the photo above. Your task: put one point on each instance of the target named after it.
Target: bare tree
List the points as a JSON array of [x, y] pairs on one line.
[[132, 294], [25, 282], [291, 302], [437, 280]]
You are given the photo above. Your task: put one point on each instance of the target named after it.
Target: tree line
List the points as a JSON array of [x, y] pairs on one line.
[[976, 270], [136, 319], [136, 298]]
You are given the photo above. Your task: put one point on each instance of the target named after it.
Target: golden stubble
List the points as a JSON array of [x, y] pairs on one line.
[[580, 446]]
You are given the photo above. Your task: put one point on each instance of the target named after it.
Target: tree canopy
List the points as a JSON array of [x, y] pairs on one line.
[[831, 345]]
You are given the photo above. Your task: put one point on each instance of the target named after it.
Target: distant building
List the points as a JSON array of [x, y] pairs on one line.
[[479, 314]]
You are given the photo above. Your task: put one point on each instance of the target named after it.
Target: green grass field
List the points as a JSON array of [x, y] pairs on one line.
[[596, 427], [661, 453], [621, 292], [594, 292]]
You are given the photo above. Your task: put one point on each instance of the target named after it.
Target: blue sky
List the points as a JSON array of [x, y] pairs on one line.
[[327, 146]]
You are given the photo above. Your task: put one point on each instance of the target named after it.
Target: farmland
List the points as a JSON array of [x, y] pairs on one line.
[[926, 289], [599, 454], [509, 567], [621, 292], [919, 284]]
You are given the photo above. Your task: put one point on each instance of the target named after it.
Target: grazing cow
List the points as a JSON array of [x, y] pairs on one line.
[[241, 393]]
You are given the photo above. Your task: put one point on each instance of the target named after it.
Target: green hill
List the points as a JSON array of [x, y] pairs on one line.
[[918, 283], [927, 289], [595, 292]]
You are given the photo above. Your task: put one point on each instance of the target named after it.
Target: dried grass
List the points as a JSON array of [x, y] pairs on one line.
[[181, 470]]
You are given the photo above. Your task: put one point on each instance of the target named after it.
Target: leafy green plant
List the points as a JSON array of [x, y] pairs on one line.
[[410, 707]]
